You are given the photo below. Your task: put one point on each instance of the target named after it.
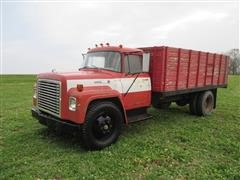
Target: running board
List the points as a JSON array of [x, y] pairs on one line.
[[137, 118]]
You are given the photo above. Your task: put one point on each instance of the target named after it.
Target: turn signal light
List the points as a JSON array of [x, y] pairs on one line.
[[79, 87]]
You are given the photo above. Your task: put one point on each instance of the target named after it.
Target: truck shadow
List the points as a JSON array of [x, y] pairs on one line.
[[161, 118], [170, 113], [64, 140], [73, 140]]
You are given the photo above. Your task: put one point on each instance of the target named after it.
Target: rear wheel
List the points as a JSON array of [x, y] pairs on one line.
[[193, 104], [205, 103], [102, 125]]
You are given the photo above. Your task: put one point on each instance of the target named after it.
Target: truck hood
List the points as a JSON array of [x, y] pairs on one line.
[[82, 74]]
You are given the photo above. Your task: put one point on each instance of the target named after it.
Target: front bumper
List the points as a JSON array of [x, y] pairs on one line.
[[53, 122]]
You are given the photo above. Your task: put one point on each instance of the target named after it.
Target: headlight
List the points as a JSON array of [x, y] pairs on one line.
[[72, 103]]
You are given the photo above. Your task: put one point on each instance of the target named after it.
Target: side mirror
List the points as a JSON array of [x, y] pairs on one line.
[[83, 61], [84, 56], [146, 62]]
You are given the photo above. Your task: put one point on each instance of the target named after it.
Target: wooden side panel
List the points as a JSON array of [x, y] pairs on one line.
[[222, 70], [174, 69], [171, 69], [183, 70], [216, 69], [209, 70], [193, 69], [202, 65]]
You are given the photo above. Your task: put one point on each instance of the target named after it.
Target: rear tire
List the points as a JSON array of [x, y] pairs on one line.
[[193, 104], [102, 125], [205, 103]]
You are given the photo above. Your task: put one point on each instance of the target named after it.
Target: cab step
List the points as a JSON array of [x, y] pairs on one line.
[[137, 115]]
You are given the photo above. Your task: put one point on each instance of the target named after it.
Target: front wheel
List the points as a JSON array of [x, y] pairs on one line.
[[102, 126]]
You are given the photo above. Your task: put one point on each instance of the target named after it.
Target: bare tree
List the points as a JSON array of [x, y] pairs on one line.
[[234, 67]]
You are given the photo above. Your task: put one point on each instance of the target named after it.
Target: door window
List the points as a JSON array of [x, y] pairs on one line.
[[132, 64]]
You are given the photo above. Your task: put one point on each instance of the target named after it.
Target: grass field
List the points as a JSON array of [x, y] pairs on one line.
[[171, 145]]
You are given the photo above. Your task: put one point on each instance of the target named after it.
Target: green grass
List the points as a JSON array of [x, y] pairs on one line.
[[173, 144]]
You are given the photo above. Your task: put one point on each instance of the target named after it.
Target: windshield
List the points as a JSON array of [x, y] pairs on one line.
[[103, 60]]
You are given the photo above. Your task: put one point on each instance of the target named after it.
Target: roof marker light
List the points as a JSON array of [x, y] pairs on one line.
[[120, 46], [96, 45], [101, 44], [89, 49], [107, 44]]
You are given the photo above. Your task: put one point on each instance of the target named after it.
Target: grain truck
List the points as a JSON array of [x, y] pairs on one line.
[[117, 85]]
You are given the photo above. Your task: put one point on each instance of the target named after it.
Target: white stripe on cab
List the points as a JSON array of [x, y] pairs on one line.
[[119, 84]]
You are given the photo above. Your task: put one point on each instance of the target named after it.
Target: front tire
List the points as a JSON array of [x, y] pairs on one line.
[[102, 125]]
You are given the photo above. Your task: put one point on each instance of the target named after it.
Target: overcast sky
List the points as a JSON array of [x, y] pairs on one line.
[[40, 36]]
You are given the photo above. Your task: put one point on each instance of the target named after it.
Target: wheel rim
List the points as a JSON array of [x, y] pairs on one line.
[[103, 126], [208, 104]]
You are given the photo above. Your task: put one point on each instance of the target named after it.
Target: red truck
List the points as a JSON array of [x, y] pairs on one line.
[[117, 85]]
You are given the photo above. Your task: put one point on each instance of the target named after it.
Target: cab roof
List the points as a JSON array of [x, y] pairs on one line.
[[115, 49]]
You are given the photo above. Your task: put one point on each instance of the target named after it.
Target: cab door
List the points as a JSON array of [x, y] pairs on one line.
[[136, 84]]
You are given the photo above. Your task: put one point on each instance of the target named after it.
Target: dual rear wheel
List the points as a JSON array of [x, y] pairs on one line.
[[202, 104]]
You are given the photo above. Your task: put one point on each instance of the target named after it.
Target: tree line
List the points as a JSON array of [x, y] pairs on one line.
[[234, 67]]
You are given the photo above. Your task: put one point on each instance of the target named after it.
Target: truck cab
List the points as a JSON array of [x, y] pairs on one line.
[[112, 88]]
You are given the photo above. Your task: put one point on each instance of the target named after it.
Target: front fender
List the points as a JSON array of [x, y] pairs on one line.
[[85, 97]]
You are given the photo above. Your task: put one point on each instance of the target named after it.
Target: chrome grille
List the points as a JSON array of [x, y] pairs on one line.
[[48, 96]]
